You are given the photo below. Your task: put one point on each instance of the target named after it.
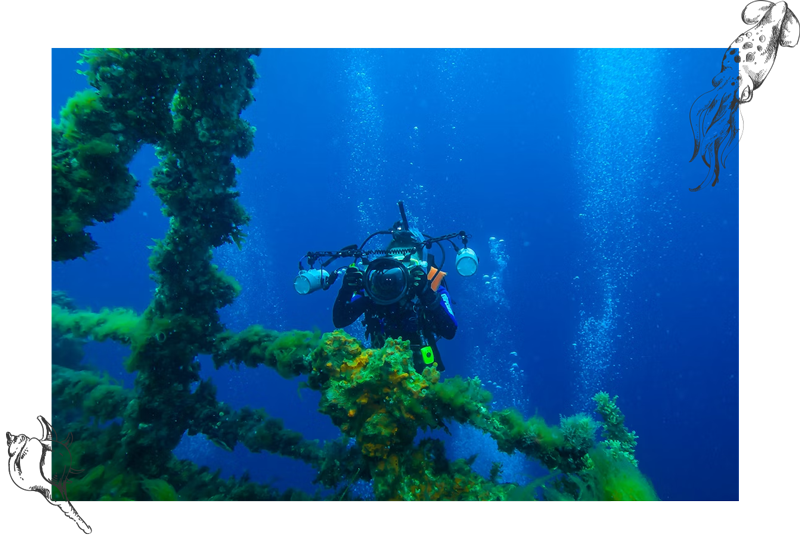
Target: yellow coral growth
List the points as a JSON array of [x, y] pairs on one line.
[[355, 365], [394, 377]]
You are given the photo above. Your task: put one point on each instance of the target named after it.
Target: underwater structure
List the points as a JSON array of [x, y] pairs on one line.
[[187, 103]]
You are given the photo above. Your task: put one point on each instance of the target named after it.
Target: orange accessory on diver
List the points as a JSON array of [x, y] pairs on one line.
[[435, 276]]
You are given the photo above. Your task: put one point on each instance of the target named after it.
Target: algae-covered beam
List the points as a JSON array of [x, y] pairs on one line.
[[289, 353], [377, 397], [99, 132], [186, 102], [195, 181], [256, 430], [96, 396]]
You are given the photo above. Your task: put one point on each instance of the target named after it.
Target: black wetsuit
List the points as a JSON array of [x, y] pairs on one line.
[[414, 322]]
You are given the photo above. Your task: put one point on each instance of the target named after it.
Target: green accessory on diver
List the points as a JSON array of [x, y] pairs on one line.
[[427, 355]]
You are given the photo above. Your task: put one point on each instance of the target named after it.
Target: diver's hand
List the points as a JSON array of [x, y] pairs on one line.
[[419, 281], [353, 279], [421, 286]]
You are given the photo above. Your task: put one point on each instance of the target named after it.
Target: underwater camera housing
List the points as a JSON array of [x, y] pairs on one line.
[[387, 279]]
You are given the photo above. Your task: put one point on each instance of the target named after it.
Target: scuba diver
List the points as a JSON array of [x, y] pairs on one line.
[[398, 305], [399, 293]]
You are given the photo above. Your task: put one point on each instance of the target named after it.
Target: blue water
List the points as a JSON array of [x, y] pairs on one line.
[[569, 168]]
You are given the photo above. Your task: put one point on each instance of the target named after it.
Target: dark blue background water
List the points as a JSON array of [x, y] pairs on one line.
[[578, 160]]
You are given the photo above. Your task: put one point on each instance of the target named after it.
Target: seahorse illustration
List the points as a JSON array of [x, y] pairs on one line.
[[29, 462], [746, 64]]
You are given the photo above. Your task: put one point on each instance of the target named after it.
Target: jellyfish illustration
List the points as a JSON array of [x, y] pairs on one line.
[[746, 64]]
